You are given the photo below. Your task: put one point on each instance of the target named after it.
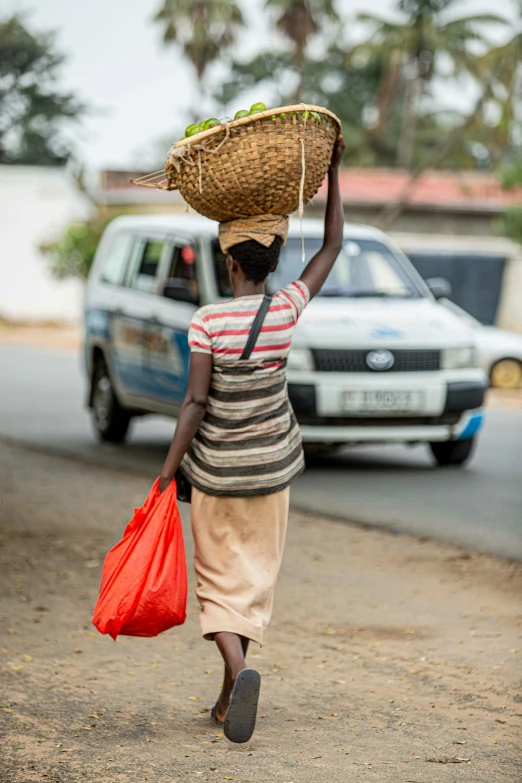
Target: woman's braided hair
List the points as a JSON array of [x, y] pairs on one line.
[[256, 260]]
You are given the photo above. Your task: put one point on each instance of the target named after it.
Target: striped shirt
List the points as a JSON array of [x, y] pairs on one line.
[[249, 441]]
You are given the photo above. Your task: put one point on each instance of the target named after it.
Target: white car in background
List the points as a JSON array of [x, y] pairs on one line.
[[375, 359], [499, 351]]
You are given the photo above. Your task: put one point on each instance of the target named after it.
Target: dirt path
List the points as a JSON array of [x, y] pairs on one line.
[[385, 652]]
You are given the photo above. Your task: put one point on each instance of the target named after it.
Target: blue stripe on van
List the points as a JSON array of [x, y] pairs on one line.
[[474, 424]]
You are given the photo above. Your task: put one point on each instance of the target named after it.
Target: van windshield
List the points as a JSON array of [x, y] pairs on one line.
[[364, 268]]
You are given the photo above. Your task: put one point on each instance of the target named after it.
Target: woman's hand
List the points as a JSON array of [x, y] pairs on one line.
[[338, 152], [164, 483]]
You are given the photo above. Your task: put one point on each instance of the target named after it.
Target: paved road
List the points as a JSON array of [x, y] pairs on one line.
[[42, 397]]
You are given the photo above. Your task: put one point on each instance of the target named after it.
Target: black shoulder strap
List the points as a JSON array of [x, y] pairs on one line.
[[256, 327]]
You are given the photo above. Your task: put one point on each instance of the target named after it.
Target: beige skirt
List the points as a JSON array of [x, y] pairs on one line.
[[239, 544]]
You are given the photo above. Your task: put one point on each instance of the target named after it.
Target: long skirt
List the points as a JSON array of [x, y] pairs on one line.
[[239, 544]]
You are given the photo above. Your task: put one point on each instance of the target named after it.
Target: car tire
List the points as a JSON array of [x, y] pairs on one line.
[[111, 420], [506, 374], [312, 449], [452, 452]]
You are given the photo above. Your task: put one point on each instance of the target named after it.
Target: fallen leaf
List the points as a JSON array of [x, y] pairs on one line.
[[77, 650], [449, 760], [334, 715], [28, 658], [227, 778], [208, 671], [219, 735], [498, 720], [155, 665], [193, 698], [16, 667]]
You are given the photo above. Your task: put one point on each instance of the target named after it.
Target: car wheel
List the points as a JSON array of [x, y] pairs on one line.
[[506, 374], [111, 421], [453, 452]]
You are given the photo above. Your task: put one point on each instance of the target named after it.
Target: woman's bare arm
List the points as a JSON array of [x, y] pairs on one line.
[[318, 269], [191, 414]]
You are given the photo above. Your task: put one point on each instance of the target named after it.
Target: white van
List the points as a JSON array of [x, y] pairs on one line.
[[375, 358]]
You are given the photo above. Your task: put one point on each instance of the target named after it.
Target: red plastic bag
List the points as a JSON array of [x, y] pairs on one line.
[[144, 580]]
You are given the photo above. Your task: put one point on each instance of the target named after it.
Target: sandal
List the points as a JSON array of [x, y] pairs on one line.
[[240, 720], [214, 717]]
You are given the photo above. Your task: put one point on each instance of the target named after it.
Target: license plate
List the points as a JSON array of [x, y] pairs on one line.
[[377, 401]]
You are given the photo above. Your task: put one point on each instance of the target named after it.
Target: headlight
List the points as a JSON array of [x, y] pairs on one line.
[[459, 358], [300, 359]]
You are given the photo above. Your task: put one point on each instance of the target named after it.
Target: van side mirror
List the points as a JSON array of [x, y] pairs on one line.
[[439, 287], [180, 290]]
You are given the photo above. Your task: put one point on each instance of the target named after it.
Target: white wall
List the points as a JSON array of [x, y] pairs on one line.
[[35, 204]]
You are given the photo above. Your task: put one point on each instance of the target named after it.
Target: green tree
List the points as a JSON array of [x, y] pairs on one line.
[[411, 51], [203, 28], [71, 254], [299, 21], [33, 112], [512, 218], [330, 81]]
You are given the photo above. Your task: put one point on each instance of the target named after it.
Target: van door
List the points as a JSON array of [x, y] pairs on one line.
[[135, 308], [108, 317], [167, 355]]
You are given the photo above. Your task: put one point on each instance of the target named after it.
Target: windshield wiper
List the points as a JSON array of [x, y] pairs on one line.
[[335, 292], [331, 292], [382, 294]]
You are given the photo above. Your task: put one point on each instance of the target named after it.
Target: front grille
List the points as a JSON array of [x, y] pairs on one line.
[[447, 419], [355, 361]]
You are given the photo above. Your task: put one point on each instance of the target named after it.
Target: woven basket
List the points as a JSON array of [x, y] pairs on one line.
[[252, 166]]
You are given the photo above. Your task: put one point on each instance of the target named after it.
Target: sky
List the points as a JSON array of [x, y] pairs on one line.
[[138, 90]]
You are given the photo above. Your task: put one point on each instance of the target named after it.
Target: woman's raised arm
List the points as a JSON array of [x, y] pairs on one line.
[[318, 269]]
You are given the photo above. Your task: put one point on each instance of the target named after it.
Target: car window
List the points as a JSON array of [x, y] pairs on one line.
[[115, 261], [146, 266], [183, 266], [364, 268]]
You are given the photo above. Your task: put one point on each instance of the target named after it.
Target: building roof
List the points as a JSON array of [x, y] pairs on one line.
[[473, 191], [448, 190]]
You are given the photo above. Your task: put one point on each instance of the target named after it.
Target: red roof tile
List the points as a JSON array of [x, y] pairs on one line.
[[448, 189]]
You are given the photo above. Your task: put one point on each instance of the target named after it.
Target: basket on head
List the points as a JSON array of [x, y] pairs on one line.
[[270, 162]]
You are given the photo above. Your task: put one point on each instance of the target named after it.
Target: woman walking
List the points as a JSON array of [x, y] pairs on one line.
[[238, 443]]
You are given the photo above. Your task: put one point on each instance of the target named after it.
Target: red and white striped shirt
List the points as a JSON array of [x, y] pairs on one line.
[[222, 329]]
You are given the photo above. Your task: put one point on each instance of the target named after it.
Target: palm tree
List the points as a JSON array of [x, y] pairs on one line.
[[411, 49], [203, 28], [500, 73], [299, 21]]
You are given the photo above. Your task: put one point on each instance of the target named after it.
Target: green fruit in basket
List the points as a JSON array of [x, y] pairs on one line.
[[240, 114], [283, 116], [257, 107], [191, 130], [306, 115], [213, 122], [315, 116]]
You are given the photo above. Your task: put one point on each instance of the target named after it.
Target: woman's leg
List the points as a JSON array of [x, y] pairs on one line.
[[233, 648]]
